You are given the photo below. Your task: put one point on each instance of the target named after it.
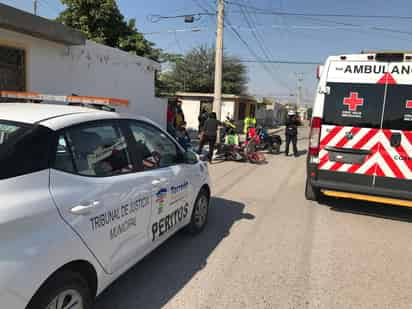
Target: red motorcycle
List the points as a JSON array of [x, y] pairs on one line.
[[250, 147]]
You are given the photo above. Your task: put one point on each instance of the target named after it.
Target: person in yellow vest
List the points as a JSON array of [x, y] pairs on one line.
[[179, 116], [249, 122]]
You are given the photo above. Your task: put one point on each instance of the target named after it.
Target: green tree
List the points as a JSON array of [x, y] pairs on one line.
[[103, 22], [195, 72]]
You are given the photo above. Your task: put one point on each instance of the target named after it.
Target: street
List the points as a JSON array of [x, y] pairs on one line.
[[267, 247]]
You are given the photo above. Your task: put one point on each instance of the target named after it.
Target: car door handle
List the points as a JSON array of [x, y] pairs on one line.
[[84, 209], [158, 182]]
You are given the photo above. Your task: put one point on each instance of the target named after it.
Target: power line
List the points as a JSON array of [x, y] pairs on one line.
[[196, 16], [253, 31], [261, 36], [203, 8], [258, 59], [260, 41], [263, 11], [280, 61], [197, 29], [244, 42], [374, 28]]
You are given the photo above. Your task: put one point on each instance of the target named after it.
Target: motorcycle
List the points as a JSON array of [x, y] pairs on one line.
[[251, 147], [267, 142], [229, 148]]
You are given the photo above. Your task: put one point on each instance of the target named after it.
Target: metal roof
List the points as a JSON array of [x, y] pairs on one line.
[[39, 27]]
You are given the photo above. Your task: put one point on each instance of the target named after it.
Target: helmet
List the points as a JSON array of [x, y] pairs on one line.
[[291, 113]]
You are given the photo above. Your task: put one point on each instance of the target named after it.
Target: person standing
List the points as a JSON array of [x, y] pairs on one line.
[[180, 116], [249, 122], [291, 133], [209, 135], [171, 119], [202, 118]]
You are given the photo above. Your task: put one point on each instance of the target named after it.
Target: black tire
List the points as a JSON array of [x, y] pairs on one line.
[[270, 148], [59, 283], [311, 193], [276, 148], [194, 227]]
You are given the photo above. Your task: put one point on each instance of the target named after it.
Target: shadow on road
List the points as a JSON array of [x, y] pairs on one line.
[[161, 275], [369, 209]]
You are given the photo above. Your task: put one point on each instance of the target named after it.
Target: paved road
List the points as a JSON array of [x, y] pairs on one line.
[[267, 247]]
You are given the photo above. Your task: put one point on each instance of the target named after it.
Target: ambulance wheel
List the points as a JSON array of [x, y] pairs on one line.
[[200, 213], [63, 290], [311, 193]]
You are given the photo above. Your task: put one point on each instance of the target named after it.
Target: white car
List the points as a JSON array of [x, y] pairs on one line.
[[84, 195]]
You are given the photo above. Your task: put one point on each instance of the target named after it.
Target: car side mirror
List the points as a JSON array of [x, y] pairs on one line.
[[190, 157]]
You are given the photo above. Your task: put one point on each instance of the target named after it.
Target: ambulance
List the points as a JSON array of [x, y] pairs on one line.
[[360, 143]]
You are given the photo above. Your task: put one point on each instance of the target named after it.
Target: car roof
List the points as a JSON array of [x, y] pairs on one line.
[[58, 116], [40, 113], [31, 113]]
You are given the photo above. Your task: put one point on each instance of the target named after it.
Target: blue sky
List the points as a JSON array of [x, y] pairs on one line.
[[284, 38]]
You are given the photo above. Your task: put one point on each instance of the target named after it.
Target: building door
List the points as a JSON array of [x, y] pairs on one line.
[[12, 69]]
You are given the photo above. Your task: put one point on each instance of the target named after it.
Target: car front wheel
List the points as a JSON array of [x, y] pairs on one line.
[[200, 213], [65, 290]]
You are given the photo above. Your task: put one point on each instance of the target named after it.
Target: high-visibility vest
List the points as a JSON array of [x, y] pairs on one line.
[[249, 122]]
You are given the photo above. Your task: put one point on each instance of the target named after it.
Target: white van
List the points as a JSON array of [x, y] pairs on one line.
[[361, 132]]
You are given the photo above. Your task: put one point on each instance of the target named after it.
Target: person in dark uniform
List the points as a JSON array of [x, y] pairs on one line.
[[209, 135], [202, 118], [291, 133]]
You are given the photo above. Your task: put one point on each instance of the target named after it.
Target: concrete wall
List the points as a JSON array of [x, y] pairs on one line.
[[228, 109], [191, 110], [92, 69]]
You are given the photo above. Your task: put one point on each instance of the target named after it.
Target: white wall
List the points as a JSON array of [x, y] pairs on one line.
[[191, 110], [228, 109], [93, 69]]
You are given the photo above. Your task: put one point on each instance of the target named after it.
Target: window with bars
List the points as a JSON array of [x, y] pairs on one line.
[[12, 69]]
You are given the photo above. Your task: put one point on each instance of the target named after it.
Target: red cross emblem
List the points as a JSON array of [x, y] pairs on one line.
[[409, 104], [353, 101]]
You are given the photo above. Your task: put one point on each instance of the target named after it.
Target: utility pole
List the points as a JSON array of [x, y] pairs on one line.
[[35, 7], [299, 77], [217, 103]]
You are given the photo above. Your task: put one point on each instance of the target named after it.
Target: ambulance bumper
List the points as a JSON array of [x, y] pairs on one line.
[[362, 189]]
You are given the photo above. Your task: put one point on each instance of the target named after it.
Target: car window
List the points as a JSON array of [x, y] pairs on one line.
[[24, 149], [98, 150], [154, 148], [398, 108], [64, 160], [7, 131], [351, 104]]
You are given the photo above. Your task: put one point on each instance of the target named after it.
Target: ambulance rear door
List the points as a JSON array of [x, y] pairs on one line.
[[396, 141], [351, 124]]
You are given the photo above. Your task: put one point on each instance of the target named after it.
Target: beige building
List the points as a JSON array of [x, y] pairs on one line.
[[233, 106]]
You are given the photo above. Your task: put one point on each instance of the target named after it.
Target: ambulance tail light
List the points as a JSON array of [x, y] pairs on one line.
[[314, 136]]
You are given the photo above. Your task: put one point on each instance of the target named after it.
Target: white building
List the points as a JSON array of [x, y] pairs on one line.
[[233, 106], [39, 55]]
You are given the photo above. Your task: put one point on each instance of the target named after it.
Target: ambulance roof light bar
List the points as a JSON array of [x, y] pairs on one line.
[[390, 56], [102, 103]]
